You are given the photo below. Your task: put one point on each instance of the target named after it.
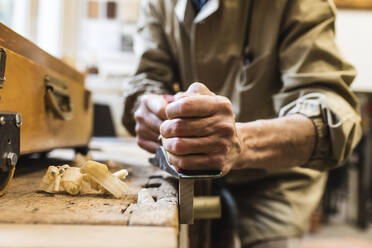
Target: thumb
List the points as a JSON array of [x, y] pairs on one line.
[[199, 89], [156, 104]]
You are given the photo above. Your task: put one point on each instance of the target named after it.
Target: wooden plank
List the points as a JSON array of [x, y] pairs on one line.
[[32, 219], [84, 236], [15, 42], [23, 204], [163, 212]]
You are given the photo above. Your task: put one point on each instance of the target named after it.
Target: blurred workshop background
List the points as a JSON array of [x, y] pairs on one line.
[[95, 36]]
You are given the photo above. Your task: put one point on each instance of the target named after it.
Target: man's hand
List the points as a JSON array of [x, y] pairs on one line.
[[200, 132], [149, 115]]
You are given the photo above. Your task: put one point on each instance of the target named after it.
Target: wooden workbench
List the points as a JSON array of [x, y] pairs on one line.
[[29, 218]]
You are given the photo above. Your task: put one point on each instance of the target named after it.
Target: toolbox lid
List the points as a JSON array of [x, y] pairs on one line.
[[19, 44]]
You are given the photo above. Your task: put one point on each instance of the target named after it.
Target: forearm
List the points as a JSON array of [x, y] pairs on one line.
[[276, 143]]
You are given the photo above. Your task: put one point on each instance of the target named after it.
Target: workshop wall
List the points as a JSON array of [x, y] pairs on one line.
[[354, 37]]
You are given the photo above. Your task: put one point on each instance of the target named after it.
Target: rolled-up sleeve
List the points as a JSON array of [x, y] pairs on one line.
[[316, 81], [154, 71]]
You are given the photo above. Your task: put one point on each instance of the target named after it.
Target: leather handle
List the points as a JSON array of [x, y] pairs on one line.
[[58, 98]]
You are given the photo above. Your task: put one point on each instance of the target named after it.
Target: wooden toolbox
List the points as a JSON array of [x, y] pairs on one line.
[[43, 103]]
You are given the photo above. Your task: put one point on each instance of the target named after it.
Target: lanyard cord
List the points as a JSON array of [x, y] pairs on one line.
[[246, 49]]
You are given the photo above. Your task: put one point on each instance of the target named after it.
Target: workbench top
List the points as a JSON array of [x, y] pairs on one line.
[[24, 209]]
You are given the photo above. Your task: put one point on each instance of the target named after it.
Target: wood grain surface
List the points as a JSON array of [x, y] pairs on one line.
[[24, 204]]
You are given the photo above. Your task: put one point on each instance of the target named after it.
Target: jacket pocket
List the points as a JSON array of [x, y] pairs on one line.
[[254, 85], [249, 72]]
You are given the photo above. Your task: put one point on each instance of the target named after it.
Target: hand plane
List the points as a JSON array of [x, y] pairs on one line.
[[186, 180]]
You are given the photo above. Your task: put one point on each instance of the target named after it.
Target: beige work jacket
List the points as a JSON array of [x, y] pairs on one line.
[[270, 58]]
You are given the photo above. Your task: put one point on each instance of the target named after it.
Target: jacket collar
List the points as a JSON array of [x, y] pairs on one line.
[[184, 9]]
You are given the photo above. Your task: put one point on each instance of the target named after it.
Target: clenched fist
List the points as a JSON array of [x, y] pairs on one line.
[[200, 132]]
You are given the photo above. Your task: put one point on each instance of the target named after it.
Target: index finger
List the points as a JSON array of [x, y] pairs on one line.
[[196, 106]]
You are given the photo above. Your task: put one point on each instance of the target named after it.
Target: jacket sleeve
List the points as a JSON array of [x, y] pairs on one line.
[[316, 81], [154, 72]]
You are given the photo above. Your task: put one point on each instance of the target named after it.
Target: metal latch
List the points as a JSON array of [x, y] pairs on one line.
[[187, 206], [2, 66], [10, 124]]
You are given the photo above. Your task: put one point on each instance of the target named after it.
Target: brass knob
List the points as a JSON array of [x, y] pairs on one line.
[[207, 207]]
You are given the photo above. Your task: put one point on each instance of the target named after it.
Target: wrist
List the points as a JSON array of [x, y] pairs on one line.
[[246, 133], [276, 143]]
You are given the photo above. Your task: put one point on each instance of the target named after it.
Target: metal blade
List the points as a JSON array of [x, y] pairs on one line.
[[161, 161], [185, 184], [186, 201]]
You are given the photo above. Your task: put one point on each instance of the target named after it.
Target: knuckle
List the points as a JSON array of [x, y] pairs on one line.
[[223, 147], [161, 112], [179, 163], [197, 86], [216, 161], [226, 129], [164, 129], [182, 163], [176, 161], [138, 116], [143, 101], [172, 160], [140, 142], [185, 106], [177, 127], [224, 99], [142, 146], [225, 104], [137, 129], [177, 145], [144, 98]]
